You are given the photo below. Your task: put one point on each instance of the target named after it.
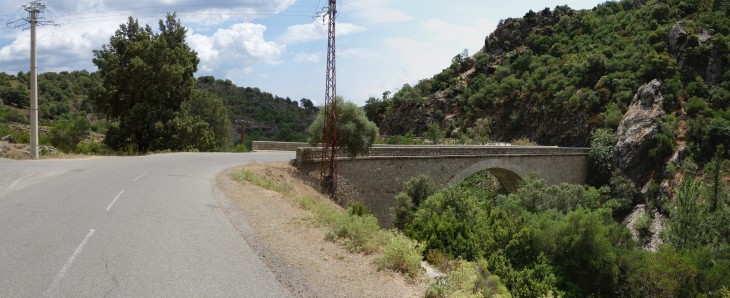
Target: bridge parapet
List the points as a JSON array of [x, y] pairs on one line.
[[376, 178], [314, 154]]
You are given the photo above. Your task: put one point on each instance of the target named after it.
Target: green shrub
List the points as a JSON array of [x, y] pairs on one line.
[[523, 142], [438, 259], [435, 133], [247, 175], [355, 133], [622, 192], [536, 196], [643, 226], [357, 233], [358, 209], [401, 254], [612, 117], [600, 156], [457, 222], [468, 279], [415, 191], [8, 115], [239, 148], [438, 289], [92, 148], [696, 105], [68, 132]]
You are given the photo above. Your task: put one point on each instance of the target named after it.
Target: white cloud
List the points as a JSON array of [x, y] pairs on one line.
[[316, 30], [238, 47], [376, 11], [308, 57], [356, 53], [459, 33], [65, 48]]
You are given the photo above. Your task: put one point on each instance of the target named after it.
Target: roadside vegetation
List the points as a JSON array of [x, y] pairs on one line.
[[563, 241], [355, 229]]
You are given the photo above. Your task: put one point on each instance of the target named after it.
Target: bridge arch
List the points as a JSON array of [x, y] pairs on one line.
[[507, 173]]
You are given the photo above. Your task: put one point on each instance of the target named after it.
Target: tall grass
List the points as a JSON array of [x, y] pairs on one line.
[[246, 175]]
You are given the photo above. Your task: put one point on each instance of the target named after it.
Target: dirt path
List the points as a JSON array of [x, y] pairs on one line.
[[295, 249]]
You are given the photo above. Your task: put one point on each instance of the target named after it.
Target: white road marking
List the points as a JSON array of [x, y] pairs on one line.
[[67, 265], [140, 176], [15, 183], [115, 199]]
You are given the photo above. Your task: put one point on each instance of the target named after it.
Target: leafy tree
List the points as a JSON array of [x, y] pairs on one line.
[[15, 96], [415, 191], [600, 156], [355, 133], [435, 133], [479, 133], [307, 104], [145, 76], [202, 124]]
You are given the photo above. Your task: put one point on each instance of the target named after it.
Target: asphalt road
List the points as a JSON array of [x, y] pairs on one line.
[[125, 227]]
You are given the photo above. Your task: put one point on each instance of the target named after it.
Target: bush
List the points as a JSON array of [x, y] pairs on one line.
[[622, 192], [357, 233], [401, 254], [355, 133], [358, 209], [523, 142], [600, 156], [68, 132], [696, 105], [8, 115], [435, 133], [457, 222], [415, 191], [536, 196], [612, 117]]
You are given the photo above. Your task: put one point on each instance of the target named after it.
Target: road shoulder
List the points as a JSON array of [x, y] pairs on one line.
[[294, 249]]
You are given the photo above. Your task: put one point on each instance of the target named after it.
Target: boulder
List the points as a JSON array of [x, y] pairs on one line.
[[8, 138], [637, 132], [677, 39]]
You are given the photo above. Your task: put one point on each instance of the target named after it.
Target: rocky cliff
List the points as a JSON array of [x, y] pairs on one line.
[[556, 75]]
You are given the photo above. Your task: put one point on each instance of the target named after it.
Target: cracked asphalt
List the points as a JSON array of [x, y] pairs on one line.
[[147, 226]]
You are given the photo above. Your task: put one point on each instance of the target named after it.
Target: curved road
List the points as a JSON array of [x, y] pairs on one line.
[[125, 227]]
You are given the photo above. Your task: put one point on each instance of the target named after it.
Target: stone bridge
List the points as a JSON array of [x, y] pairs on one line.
[[376, 179]]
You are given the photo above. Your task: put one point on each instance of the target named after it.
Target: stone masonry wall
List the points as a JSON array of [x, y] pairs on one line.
[[376, 179]]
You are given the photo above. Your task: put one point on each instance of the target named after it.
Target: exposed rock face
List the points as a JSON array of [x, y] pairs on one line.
[[651, 241], [637, 132], [513, 32], [677, 39]]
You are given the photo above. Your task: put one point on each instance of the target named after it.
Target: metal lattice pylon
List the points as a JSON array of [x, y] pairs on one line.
[[328, 171]]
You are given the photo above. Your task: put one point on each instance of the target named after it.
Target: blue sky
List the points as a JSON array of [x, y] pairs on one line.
[[278, 45]]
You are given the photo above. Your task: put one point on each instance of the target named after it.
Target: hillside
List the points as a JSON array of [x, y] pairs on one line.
[[263, 115], [64, 103], [556, 75], [646, 85]]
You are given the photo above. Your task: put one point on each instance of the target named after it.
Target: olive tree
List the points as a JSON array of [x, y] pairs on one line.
[[355, 133]]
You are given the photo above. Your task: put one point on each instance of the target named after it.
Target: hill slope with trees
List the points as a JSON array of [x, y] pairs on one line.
[[556, 75]]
